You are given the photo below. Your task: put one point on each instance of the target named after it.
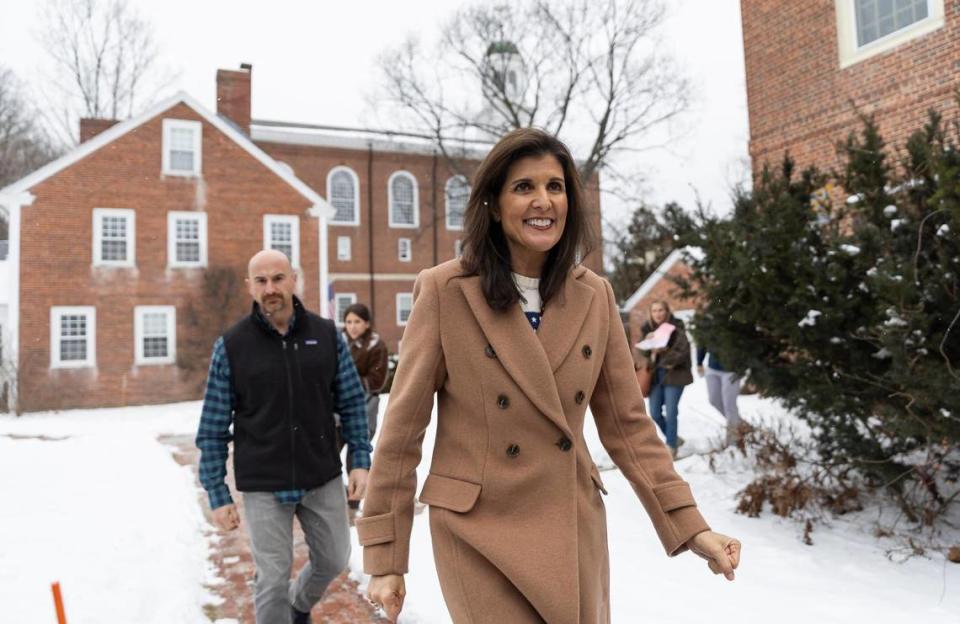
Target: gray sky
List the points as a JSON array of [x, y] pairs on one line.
[[314, 61]]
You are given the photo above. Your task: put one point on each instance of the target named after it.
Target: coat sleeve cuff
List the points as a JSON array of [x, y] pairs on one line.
[[687, 522], [376, 529]]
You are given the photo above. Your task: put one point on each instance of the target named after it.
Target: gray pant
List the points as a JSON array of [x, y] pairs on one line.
[[323, 516], [723, 388]]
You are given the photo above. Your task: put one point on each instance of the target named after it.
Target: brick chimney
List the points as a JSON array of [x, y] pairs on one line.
[[233, 95], [90, 128]]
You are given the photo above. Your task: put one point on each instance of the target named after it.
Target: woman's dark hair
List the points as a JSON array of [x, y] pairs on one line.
[[485, 250], [358, 309]]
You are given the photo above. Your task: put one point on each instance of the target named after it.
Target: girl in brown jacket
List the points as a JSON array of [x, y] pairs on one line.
[[515, 341], [369, 356]]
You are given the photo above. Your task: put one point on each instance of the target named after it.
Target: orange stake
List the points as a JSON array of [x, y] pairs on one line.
[[58, 603]]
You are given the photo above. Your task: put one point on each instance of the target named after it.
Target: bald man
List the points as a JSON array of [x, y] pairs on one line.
[[278, 376]]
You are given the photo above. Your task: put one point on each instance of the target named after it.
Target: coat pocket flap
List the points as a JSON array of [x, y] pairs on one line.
[[674, 495], [597, 481], [449, 493], [375, 529]]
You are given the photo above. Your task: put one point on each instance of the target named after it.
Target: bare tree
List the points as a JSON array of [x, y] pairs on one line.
[[588, 70], [104, 58], [24, 146]]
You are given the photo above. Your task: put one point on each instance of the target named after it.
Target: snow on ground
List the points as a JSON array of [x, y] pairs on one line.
[[93, 500], [845, 577], [98, 504]]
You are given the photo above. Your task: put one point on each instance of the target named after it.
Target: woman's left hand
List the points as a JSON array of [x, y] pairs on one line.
[[721, 552]]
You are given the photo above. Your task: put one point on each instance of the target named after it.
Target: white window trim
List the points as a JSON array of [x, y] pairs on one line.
[[400, 242], [356, 195], [344, 248], [408, 297], [131, 218], [168, 126], [850, 53], [56, 312], [138, 313], [172, 217], [457, 248], [336, 306], [416, 201], [446, 202], [294, 220]]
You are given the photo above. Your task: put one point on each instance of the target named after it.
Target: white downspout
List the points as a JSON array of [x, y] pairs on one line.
[[322, 211], [14, 204]]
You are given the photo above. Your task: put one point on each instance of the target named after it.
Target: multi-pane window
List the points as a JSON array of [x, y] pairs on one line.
[[879, 18], [343, 195], [404, 306], [282, 232], [342, 301], [402, 192], [343, 248], [72, 337], [404, 250], [155, 334], [181, 147], [114, 237], [187, 239], [457, 193]]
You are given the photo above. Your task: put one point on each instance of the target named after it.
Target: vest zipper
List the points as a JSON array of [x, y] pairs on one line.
[[293, 433]]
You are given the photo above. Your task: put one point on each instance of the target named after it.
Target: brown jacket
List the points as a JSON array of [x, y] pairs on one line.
[[675, 360], [516, 517], [369, 354]]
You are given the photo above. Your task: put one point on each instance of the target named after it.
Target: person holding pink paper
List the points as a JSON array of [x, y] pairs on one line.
[[667, 353]]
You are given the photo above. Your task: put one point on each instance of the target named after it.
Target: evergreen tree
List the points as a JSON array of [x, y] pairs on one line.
[[848, 310]]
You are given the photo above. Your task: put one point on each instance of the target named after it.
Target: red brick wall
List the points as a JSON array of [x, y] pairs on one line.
[[57, 253], [800, 100]]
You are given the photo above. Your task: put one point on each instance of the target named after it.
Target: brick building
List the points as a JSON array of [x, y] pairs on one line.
[[810, 66], [126, 256]]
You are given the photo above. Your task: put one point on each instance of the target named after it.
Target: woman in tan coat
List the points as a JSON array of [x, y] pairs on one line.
[[516, 340]]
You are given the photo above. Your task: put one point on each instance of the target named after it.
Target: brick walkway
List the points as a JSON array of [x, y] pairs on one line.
[[342, 604]]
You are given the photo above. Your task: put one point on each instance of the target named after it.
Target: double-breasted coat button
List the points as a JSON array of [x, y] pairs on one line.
[[490, 352], [502, 401], [587, 351], [579, 397], [564, 444], [513, 450]]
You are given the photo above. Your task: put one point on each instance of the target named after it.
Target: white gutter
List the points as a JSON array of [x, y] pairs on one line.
[[323, 212], [13, 204]]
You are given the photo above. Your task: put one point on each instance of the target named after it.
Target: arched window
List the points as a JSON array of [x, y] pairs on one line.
[[404, 206], [343, 193], [457, 193]]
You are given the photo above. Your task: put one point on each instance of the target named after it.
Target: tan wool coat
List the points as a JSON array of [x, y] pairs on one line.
[[516, 515]]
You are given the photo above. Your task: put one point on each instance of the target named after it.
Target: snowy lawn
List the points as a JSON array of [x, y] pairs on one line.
[[93, 500]]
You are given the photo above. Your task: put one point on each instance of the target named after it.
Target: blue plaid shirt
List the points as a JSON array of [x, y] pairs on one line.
[[213, 435]]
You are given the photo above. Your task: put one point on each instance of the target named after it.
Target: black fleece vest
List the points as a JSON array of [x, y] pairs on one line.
[[283, 428]]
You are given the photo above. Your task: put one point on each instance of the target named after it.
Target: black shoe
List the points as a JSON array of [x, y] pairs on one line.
[[300, 618]]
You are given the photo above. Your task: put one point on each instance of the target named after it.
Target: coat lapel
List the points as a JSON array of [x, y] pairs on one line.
[[519, 351], [563, 318]]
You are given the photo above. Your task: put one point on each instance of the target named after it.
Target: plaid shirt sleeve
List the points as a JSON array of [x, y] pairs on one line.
[[350, 402], [214, 435]]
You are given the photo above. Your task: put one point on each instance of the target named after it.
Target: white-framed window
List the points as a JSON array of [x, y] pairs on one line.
[[403, 200], [457, 192], [343, 193], [343, 248], [186, 239], [282, 232], [342, 301], [404, 305], [114, 237], [404, 250], [182, 141], [73, 336], [457, 248], [155, 334], [869, 27]]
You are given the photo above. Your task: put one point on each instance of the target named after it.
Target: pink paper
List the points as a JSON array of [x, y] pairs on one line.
[[659, 339]]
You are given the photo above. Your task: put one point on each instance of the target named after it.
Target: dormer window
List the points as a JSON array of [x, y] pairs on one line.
[[182, 141]]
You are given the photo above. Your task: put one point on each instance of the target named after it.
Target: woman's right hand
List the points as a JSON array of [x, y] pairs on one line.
[[388, 592]]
